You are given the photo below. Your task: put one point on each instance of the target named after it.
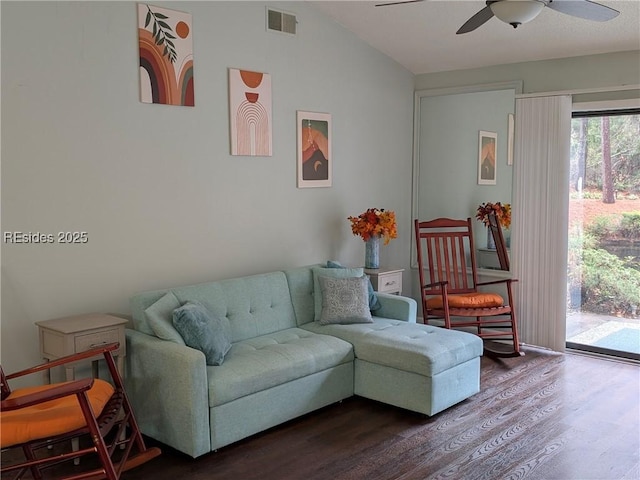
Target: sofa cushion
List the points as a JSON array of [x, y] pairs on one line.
[[333, 273], [374, 303], [255, 305], [300, 281], [411, 347], [203, 331], [267, 361], [160, 318], [344, 300]]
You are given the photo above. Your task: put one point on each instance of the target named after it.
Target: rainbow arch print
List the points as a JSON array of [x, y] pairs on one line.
[[165, 40], [250, 113]]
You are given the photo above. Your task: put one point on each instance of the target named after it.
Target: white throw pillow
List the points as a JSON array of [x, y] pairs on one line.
[[160, 318]]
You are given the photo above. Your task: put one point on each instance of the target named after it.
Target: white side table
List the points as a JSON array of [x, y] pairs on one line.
[[69, 335], [65, 336], [385, 279]]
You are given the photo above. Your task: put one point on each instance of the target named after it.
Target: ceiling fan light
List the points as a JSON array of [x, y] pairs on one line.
[[516, 12]]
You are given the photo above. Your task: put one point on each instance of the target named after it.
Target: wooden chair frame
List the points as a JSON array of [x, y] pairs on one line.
[[498, 239], [447, 266], [114, 427]]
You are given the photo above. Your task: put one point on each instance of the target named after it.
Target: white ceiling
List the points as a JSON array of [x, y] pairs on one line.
[[422, 36]]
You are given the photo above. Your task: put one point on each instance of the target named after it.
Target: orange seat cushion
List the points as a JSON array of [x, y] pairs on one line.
[[48, 419], [468, 300]]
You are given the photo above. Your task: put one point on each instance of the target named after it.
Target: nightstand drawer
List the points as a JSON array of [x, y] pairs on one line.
[[97, 339], [389, 282]]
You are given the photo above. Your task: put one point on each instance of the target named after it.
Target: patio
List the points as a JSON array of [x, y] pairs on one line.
[[604, 334]]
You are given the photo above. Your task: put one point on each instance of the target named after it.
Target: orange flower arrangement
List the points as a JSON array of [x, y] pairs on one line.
[[375, 222], [502, 211]]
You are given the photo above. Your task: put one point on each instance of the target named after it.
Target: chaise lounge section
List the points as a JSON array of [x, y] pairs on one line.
[[282, 363], [418, 367]]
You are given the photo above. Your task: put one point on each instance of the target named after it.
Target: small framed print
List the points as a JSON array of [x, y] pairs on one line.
[[314, 149], [487, 158]]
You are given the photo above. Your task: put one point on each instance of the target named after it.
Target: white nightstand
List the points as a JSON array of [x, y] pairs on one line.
[[65, 336], [386, 280]]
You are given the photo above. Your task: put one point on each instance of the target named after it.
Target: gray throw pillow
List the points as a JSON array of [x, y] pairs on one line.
[[160, 318], [374, 303], [344, 300], [201, 330], [329, 272]]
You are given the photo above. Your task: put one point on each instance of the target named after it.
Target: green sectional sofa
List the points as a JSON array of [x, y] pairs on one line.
[[282, 363]]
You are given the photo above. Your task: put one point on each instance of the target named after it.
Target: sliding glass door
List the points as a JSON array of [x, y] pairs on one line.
[[603, 277]]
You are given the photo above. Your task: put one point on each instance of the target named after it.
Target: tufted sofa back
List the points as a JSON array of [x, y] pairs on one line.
[[301, 287], [255, 305]]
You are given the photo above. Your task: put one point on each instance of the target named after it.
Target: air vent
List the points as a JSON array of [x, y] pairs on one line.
[[279, 21]]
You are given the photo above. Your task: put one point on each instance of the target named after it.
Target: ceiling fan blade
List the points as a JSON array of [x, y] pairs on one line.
[[477, 20], [584, 9], [400, 2]]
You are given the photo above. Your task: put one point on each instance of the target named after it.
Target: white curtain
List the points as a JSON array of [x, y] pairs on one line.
[[540, 216]]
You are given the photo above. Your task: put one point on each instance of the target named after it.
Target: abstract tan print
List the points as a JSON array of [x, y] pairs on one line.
[[250, 113]]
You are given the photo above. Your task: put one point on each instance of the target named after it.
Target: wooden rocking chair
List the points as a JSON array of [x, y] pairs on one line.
[[449, 284], [34, 418]]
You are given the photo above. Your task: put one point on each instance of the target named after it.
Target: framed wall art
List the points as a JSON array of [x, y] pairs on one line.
[[165, 44], [487, 164], [250, 113], [314, 149]]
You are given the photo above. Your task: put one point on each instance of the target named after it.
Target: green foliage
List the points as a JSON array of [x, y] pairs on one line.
[[609, 284], [611, 227], [630, 226], [162, 33], [592, 195], [601, 226]]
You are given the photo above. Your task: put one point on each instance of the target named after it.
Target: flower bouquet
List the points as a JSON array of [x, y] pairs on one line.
[[502, 211], [375, 222], [372, 225]]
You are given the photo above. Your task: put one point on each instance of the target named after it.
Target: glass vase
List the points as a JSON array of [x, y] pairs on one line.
[[372, 253]]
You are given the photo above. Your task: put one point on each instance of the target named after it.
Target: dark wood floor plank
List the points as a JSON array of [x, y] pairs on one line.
[[545, 416]]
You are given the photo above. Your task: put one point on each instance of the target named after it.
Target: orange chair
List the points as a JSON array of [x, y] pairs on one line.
[[449, 285], [33, 418]]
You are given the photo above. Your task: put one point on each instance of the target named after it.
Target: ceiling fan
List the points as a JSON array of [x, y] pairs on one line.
[[517, 12]]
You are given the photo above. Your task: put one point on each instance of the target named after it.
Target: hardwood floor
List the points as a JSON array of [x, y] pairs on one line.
[[542, 416]]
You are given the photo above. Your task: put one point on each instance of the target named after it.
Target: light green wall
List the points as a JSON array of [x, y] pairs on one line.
[[449, 122], [162, 200], [576, 73], [155, 187], [597, 77], [448, 160]]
